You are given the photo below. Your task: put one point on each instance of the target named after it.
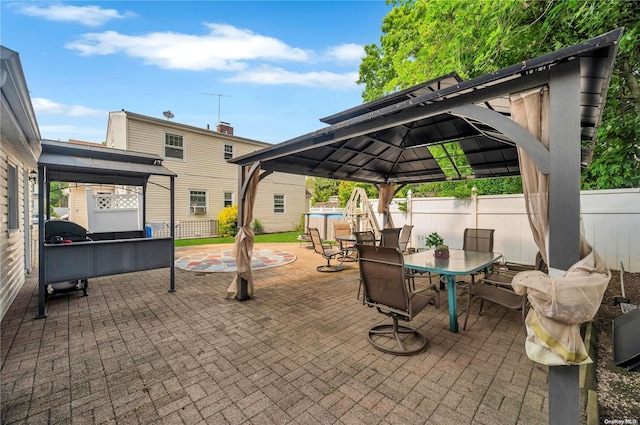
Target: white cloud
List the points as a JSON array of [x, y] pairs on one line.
[[65, 132], [346, 53], [228, 49], [86, 15], [48, 107], [224, 48], [278, 76]]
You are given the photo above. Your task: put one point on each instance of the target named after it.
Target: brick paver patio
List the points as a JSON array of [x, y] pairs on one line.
[[297, 353]]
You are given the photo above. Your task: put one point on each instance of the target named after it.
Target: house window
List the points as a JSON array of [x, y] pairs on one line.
[[197, 202], [227, 199], [12, 196], [278, 203], [228, 152], [173, 146]]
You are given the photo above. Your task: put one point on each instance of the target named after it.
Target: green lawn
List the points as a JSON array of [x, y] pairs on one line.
[[272, 237]]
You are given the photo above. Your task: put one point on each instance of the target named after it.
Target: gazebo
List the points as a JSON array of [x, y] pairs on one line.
[[107, 253], [538, 118]]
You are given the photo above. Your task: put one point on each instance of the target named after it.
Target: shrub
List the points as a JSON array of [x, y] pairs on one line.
[[228, 221], [300, 226], [257, 227]]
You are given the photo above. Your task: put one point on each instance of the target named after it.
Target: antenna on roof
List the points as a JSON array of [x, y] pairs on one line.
[[168, 114], [219, 96]]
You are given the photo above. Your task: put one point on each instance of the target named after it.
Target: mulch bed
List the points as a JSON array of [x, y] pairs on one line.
[[618, 389]]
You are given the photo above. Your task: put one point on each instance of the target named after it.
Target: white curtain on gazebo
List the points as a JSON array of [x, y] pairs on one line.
[[558, 304], [243, 248]]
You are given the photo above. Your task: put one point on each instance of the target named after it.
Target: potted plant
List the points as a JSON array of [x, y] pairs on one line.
[[434, 240]]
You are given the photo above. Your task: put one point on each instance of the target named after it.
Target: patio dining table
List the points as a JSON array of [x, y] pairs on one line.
[[460, 263]]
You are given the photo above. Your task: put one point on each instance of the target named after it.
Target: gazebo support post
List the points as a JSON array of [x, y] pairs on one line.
[[243, 290], [172, 202], [41, 260], [564, 216]]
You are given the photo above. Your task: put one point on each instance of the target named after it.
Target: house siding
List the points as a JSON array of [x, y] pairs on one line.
[[12, 243], [204, 168], [20, 146], [117, 138]]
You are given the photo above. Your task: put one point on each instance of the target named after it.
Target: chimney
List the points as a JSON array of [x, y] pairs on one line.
[[225, 127]]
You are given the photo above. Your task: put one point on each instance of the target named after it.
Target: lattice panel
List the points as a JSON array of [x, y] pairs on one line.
[[116, 202]]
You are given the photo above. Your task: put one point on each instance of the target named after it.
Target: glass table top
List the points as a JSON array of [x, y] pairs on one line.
[[460, 262]]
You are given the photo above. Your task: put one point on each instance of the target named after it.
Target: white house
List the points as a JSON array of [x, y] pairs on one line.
[[206, 183], [19, 151]]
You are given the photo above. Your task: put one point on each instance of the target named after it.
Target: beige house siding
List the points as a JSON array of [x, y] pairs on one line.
[[12, 243], [204, 168], [117, 138], [20, 146], [293, 190]]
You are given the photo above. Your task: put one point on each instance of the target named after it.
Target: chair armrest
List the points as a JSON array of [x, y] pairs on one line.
[[428, 288], [498, 278]]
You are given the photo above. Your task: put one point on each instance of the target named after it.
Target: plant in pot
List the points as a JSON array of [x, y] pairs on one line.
[[434, 240]]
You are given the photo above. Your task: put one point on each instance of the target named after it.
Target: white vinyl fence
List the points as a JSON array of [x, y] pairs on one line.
[[611, 221], [114, 213]]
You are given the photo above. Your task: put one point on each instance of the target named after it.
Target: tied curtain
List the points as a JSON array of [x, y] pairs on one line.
[[558, 304], [243, 248], [386, 192]]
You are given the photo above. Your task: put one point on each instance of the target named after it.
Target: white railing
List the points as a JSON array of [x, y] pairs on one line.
[[611, 221]]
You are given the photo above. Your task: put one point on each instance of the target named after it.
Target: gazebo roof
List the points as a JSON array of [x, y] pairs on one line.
[[77, 163], [389, 140]]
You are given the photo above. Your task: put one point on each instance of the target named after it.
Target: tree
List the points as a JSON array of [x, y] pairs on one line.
[[56, 197], [323, 189], [346, 189], [424, 39]]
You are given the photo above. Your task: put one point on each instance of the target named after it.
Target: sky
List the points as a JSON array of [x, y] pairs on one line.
[[279, 66]]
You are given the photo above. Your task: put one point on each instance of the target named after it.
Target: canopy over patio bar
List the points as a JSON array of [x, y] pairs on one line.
[[543, 113], [106, 253]]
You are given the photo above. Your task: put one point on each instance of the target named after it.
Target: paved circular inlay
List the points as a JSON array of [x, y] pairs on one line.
[[223, 261]]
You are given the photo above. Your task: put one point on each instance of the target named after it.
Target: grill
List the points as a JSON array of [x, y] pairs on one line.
[[57, 231], [60, 231]]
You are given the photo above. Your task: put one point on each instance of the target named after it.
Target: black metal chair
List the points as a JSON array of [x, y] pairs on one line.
[[386, 288], [475, 240], [390, 237], [496, 287], [478, 240], [326, 250]]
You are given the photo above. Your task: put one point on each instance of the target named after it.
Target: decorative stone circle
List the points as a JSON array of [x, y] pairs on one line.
[[223, 261]]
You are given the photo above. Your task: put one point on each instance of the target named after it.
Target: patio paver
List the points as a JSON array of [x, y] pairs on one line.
[[131, 352]]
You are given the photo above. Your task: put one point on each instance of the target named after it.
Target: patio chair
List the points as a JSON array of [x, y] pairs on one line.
[[478, 240], [326, 250], [349, 252], [475, 240], [496, 287], [365, 238], [405, 235], [382, 273], [305, 240], [390, 237]]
